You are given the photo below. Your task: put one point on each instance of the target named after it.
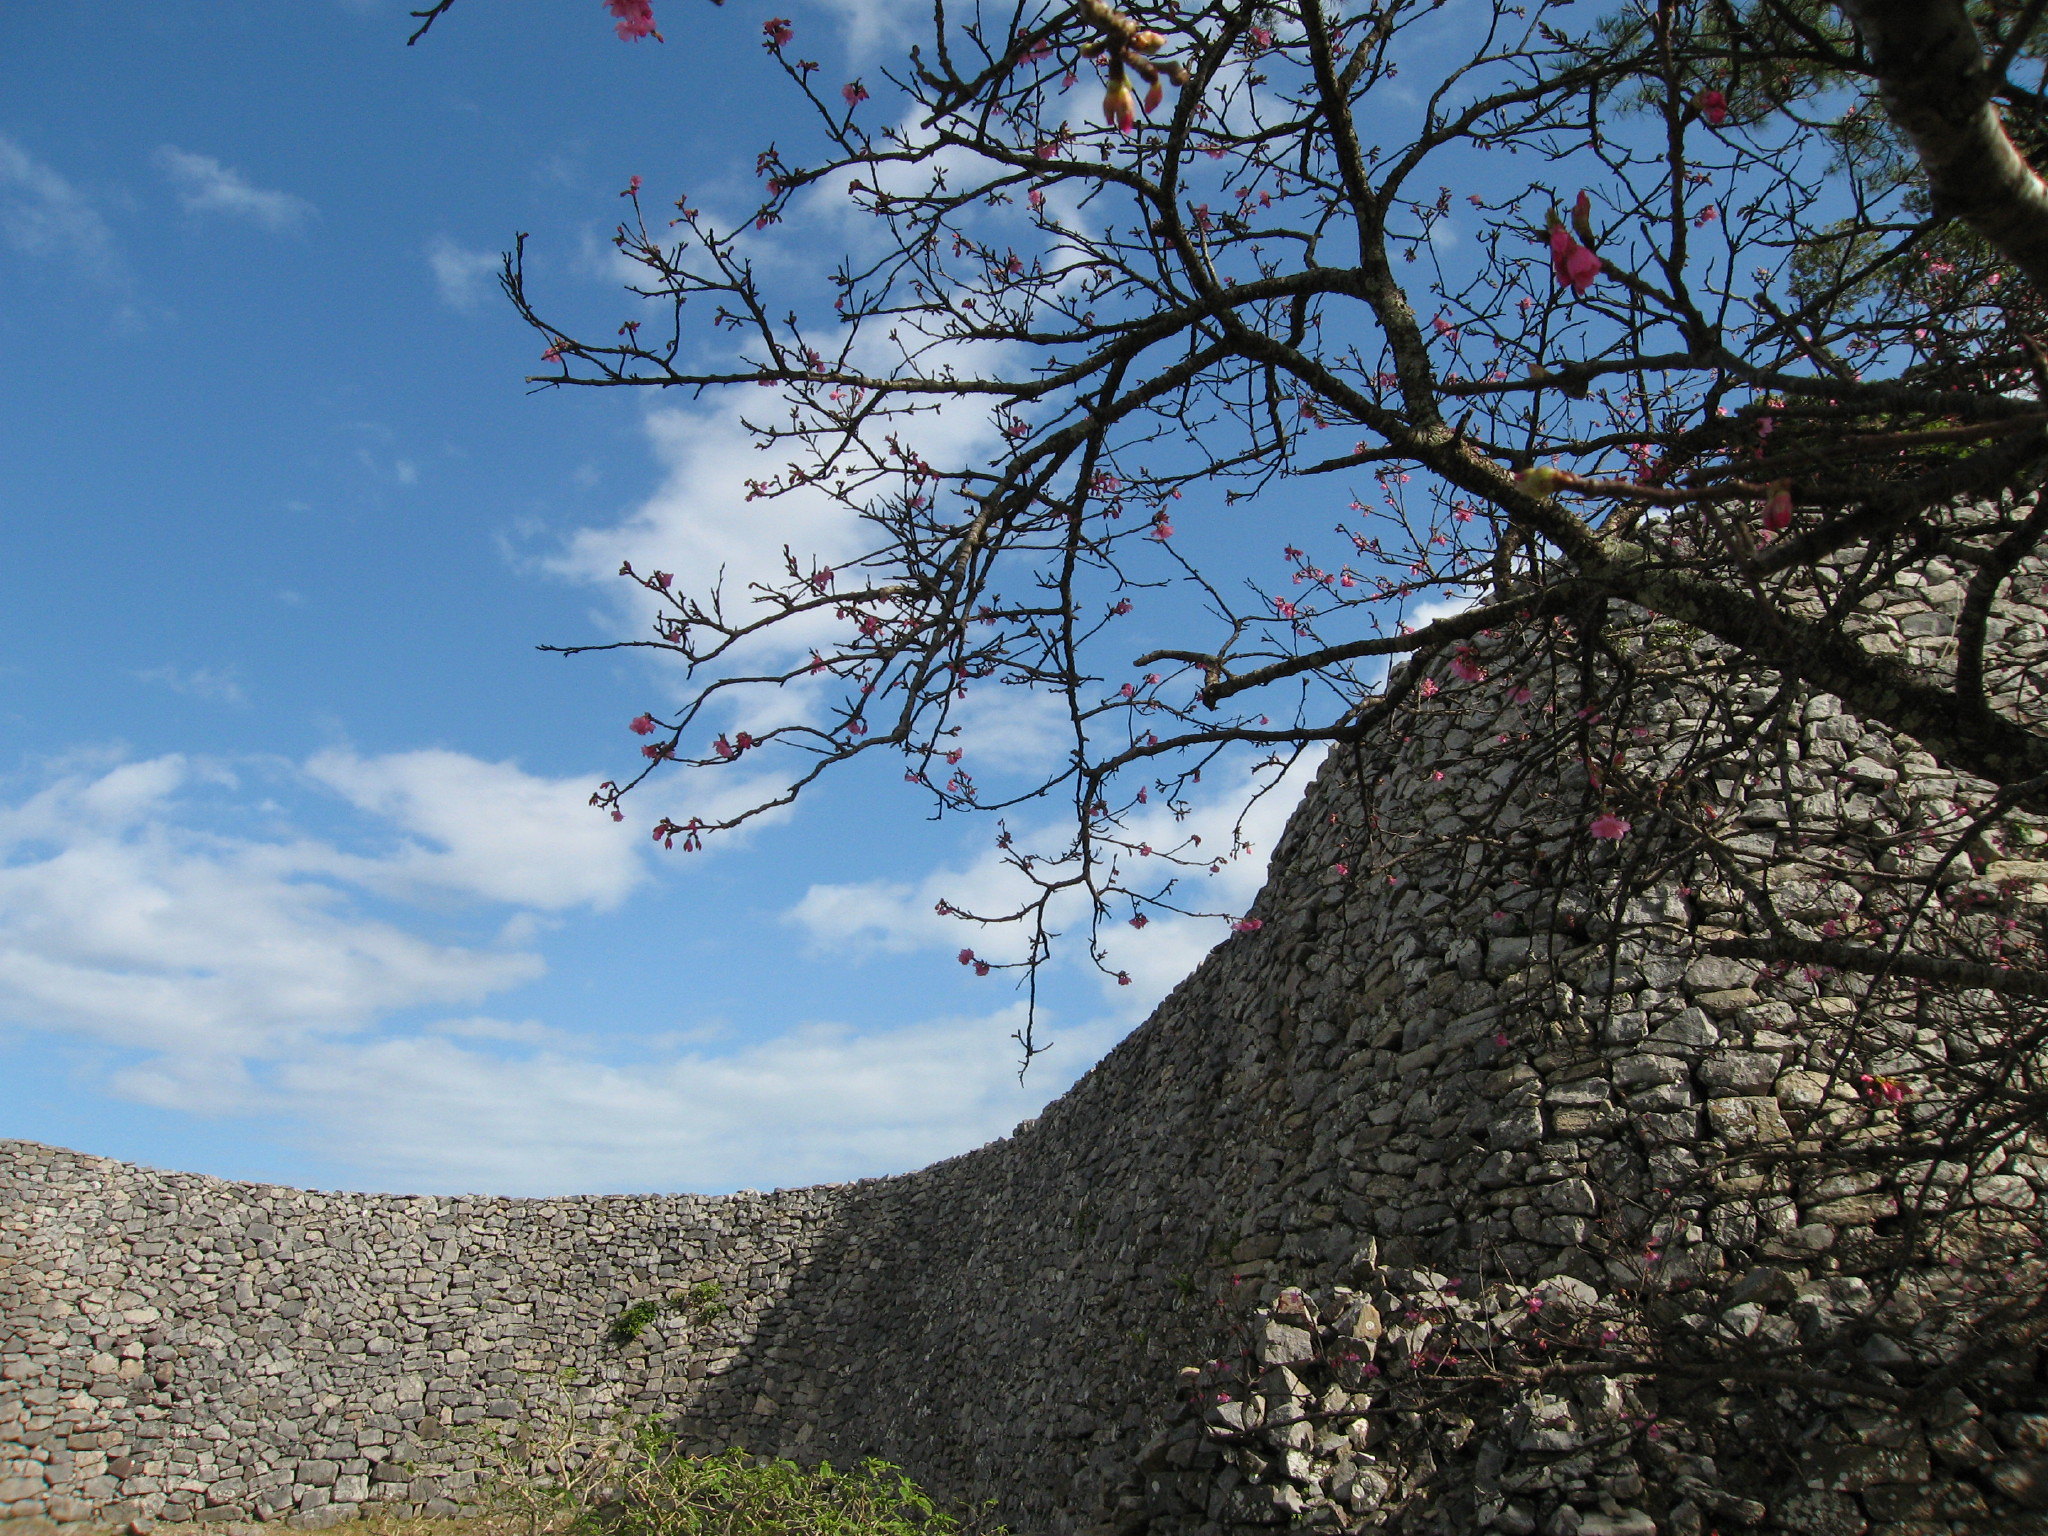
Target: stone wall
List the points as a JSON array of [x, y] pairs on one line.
[[1445, 1069]]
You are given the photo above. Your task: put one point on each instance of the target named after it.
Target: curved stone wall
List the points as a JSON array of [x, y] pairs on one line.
[[1444, 1059]]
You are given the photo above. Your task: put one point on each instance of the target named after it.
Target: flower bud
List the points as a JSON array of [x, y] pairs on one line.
[[1119, 106]]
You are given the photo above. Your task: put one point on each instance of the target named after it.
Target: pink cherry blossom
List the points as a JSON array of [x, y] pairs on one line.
[[1712, 106], [1609, 827], [854, 92], [1571, 261], [1778, 510], [1429, 688], [642, 725], [1247, 925], [778, 32], [635, 19]]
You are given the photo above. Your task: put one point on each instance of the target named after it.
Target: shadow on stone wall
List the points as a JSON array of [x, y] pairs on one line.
[[1465, 1057]]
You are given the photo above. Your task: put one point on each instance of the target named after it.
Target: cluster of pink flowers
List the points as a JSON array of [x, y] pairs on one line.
[[1572, 261], [635, 19], [1575, 266]]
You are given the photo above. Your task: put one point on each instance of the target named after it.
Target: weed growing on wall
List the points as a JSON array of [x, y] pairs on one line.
[[699, 1304]]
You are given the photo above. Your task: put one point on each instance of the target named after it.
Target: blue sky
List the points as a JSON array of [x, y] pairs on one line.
[[297, 879]]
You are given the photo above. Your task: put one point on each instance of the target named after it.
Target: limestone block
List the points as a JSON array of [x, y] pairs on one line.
[[1748, 1122]]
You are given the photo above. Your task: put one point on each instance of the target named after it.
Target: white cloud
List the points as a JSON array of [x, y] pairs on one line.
[[523, 1031], [817, 1102], [464, 278], [902, 917], [1012, 731], [42, 214], [701, 525], [485, 830], [216, 687], [237, 973], [125, 921], [873, 25], [204, 185]]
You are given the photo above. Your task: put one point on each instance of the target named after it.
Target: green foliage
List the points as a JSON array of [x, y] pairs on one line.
[[633, 1322], [560, 1470], [699, 1304], [665, 1493]]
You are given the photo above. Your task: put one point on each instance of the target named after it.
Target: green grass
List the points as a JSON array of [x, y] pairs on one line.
[[555, 1477]]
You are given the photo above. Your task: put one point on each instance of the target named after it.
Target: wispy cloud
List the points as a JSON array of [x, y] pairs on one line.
[[463, 277], [885, 917], [204, 185], [262, 972], [216, 687], [484, 830], [42, 214], [126, 920], [817, 1102]]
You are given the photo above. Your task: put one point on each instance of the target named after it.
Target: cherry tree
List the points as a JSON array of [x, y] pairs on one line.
[[1666, 307], [1322, 364]]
